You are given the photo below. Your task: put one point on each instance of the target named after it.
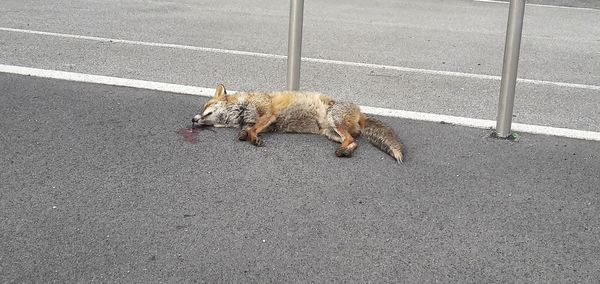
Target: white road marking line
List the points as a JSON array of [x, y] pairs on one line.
[[483, 123], [106, 80], [207, 92], [450, 73], [541, 5], [305, 59], [153, 44]]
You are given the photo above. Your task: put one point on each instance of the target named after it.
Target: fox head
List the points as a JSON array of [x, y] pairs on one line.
[[214, 112]]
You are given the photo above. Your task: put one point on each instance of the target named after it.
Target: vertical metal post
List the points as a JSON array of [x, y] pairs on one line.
[[294, 44], [509, 68]]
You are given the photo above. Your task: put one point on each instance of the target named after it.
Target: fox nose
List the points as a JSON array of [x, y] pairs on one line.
[[196, 119]]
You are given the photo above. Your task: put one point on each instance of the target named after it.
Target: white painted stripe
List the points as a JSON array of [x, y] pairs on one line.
[[144, 43], [449, 73], [106, 80], [431, 117], [483, 123], [207, 92], [541, 5], [306, 59]]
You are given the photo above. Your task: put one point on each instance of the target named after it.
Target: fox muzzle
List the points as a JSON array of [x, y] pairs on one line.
[[196, 119]]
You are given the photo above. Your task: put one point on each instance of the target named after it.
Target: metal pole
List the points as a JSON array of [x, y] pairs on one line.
[[294, 44], [509, 67]]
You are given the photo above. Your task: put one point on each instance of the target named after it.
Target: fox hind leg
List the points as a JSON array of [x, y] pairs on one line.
[[347, 121], [332, 135], [348, 143]]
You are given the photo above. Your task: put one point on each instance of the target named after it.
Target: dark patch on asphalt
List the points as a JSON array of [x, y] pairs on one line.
[[189, 134]]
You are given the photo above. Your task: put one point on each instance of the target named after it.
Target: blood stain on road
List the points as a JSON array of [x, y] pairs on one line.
[[189, 134]]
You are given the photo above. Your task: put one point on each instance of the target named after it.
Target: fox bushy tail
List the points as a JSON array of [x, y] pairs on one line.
[[383, 137]]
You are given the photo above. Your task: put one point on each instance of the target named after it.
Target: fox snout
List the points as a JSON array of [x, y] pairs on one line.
[[196, 119]]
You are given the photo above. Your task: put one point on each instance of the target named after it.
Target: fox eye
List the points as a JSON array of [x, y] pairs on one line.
[[207, 114]]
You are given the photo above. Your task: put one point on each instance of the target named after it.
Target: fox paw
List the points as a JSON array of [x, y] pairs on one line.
[[343, 152], [243, 135], [258, 142]]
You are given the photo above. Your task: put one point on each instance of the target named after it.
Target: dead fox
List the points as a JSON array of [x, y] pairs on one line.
[[297, 112]]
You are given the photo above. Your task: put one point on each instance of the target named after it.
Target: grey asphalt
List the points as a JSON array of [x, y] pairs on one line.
[[98, 187], [560, 45]]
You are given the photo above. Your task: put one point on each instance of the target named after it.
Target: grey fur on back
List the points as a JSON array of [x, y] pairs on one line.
[[297, 119]]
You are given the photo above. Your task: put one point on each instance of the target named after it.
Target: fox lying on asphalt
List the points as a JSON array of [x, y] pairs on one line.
[[297, 112]]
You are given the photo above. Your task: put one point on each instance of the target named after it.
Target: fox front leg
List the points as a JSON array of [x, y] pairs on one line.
[[247, 121], [243, 134], [244, 128], [261, 124]]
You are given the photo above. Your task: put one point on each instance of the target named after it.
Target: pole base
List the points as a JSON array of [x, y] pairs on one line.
[[513, 137]]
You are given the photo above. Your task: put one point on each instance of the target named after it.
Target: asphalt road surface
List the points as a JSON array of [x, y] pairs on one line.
[[97, 186], [560, 45]]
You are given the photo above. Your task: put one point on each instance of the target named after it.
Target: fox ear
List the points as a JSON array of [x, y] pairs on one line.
[[220, 91]]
